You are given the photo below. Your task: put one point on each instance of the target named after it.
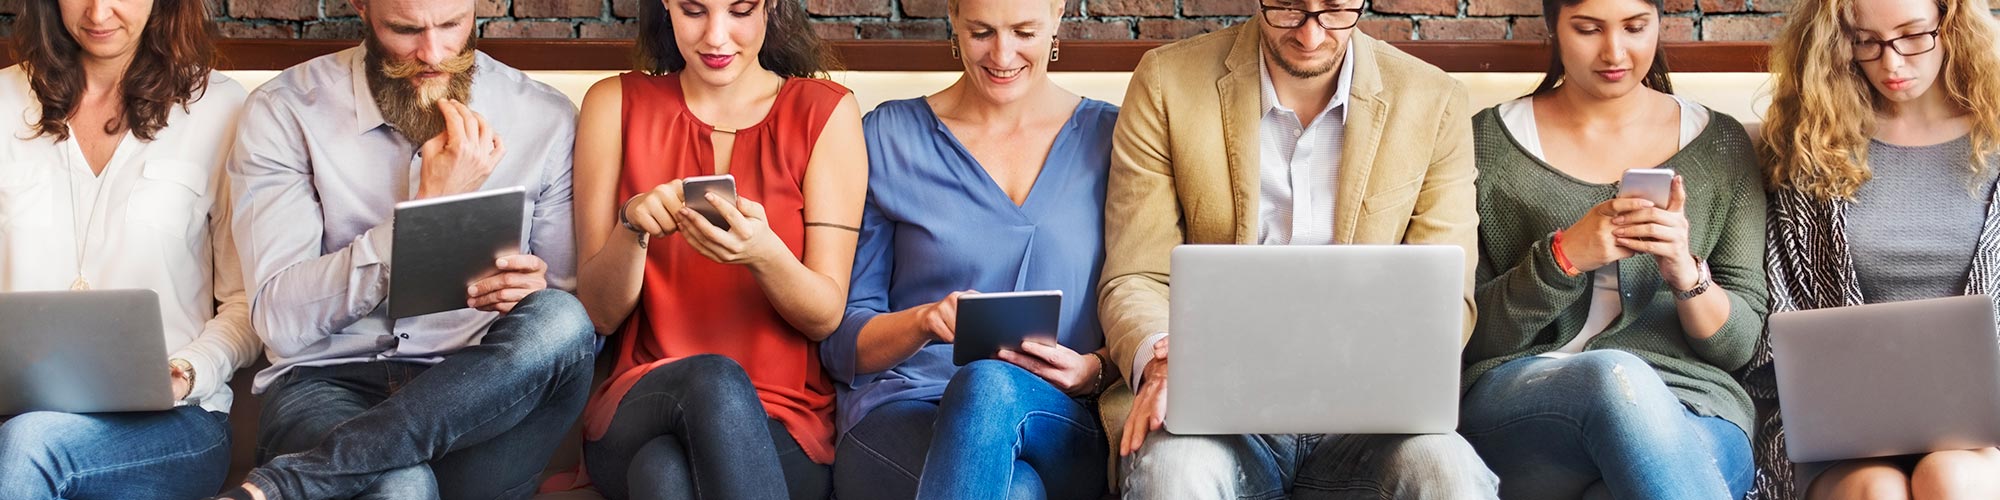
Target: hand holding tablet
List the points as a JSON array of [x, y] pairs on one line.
[[988, 323]]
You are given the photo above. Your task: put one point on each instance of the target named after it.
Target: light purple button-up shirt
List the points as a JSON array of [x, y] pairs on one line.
[[316, 176]]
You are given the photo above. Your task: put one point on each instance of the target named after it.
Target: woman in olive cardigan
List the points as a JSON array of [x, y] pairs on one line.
[[1609, 326]]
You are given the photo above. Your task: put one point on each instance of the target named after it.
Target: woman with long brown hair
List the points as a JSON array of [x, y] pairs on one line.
[[717, 390], [110, 178], [1881, 142]]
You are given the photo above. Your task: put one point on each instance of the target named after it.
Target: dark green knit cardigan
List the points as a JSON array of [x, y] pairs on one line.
[[1528, 307]]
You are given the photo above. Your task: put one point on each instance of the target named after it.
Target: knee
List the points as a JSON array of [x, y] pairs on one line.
[[717, 383], [549, 325], [1612, 380], [416, 481], [1875, 481], [988, 381], [35, 437], [1957, 474], [1444, 463], [1170, 466]]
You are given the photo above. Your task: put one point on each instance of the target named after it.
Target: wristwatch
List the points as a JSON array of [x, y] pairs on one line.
[[185, 367], [1700, 286]]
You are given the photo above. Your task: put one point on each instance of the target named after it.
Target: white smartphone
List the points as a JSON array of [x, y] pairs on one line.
[[694, 189], [1653, 184]]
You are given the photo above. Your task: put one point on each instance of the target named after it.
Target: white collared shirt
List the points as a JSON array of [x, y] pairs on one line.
[[156, 219], [1299, 163]]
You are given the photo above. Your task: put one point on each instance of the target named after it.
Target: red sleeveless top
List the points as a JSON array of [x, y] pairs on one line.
[[690, 305]]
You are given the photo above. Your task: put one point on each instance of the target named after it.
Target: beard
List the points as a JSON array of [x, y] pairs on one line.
[[409, 106], [1271, 47]]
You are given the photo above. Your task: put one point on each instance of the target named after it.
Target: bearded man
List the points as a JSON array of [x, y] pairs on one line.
[[461, 404]]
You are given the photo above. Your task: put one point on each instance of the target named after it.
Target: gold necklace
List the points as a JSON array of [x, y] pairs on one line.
[[82, 240]]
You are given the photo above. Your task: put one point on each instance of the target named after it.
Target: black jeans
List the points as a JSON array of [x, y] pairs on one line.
[[479, 425], [688, 429]]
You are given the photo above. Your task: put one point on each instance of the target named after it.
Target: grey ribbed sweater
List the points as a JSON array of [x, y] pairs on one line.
[[1528, 307], [1914, 225]]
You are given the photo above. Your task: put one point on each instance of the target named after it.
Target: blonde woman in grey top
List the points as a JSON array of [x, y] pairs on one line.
[[1881, 142]]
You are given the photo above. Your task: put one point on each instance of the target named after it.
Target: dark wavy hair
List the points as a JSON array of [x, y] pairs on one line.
[[1656, 76], [175, 56], [790, 47]]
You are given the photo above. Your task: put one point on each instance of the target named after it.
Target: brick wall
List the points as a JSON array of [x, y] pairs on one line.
[[924, 19]]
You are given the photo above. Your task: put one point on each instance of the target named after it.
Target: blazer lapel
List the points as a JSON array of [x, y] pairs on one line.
[[1366, 115], [1241, 92]]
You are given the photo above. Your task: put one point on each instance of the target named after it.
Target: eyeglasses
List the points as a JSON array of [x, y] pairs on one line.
[[1907, 45], [1290, 18]]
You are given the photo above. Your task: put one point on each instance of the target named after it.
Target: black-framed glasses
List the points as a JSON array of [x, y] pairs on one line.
[[1907, 45], [1290, 18]]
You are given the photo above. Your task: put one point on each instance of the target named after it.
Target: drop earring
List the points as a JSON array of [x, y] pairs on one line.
[[1055, 49]]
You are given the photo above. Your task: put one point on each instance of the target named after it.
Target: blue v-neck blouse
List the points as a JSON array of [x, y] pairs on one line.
[[936, 223]]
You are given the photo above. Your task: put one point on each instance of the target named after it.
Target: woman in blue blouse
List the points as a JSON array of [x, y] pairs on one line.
[[994, 184]]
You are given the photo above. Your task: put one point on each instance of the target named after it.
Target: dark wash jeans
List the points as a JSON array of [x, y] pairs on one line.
[[689, 429], [479, 425]]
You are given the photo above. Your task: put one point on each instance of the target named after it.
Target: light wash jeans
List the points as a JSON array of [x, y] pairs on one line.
[[999, 432], [1600, 424], [169, 455], [1307, 466]]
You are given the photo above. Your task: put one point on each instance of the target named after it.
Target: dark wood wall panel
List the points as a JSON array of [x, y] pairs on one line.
[[907, 55]]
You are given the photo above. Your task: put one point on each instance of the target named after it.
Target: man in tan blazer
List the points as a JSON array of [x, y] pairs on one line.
[[1291, 128]]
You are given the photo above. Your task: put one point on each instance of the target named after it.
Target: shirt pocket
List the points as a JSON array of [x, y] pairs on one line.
[[169, 198], [27, 201]]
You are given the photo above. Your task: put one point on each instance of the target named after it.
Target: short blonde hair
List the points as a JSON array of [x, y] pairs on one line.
[[951, 7]]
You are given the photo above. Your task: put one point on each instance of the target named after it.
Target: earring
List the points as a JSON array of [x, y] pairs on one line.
[[954, 47], [1055, 49]]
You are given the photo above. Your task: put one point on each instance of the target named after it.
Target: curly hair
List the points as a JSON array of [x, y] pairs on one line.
[[172, 66], [790, 48], [1822, 108]]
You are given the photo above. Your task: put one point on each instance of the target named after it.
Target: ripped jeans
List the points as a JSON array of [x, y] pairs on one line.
[[1600, 424]]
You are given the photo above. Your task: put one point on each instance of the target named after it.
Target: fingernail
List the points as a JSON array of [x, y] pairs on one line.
[[472, 290], [502, 262]]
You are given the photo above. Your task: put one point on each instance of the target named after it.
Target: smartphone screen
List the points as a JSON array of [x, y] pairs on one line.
[[1654, 184], [695, 189]]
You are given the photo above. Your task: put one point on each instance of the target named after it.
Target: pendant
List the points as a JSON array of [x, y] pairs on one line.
[[79, 285]]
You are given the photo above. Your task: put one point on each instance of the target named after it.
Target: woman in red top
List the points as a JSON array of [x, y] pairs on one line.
[[717, 329]]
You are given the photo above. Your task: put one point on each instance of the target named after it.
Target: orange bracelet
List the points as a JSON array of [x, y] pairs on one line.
[[1562, 261]]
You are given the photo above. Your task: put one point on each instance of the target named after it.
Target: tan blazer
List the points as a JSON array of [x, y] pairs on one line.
[[1184, 167]]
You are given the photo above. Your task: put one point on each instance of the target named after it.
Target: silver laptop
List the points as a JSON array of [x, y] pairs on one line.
[[1339, 339], [83, 352], [1888, 379]]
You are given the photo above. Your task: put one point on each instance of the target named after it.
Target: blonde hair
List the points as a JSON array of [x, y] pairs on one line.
[[951, 7], [1822, 106]]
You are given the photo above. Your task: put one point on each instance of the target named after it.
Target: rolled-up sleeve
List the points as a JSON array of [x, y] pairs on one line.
[[299, 295]]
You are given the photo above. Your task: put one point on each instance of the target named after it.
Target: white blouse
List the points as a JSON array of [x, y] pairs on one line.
[[158, 219]]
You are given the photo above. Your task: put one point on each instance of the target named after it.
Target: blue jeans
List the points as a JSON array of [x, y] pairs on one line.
[[688, 429], [170, 455], [999, 432], [1306, 466], [479, 425], [1597, 423]]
